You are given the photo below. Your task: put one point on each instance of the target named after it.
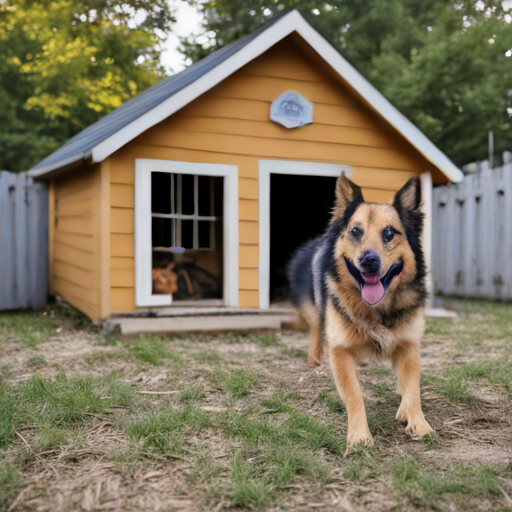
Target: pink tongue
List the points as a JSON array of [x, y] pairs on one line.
[[373, 292]]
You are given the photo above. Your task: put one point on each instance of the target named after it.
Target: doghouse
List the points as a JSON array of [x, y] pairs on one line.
[[195, 192]]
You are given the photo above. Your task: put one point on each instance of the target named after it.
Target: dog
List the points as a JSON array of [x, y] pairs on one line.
[[361, 289]]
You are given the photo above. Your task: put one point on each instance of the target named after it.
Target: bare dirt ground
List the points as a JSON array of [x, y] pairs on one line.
[[241, 422]]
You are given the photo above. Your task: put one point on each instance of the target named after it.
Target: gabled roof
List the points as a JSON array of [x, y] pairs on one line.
[[116, 129]]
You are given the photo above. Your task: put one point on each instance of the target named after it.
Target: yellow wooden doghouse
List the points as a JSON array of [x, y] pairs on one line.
[[193, 173]]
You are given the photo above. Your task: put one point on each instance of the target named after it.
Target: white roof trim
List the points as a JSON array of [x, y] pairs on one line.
[[292, 22]]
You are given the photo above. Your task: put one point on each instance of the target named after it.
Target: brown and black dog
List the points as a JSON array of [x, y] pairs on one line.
[[361, 288]]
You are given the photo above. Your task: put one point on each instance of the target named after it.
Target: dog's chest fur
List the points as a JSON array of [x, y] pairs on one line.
[[376, 334]]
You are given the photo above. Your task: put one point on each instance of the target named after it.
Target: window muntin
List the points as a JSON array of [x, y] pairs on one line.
[[183, 212]]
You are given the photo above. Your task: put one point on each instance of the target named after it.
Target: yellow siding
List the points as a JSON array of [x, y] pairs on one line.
[[248, 209], [248, 279], [230, 125], [121, 245], [248, 298], [248, 256], [122, 195], [75, 237], [247, 188], [121, 220], [248, 232]]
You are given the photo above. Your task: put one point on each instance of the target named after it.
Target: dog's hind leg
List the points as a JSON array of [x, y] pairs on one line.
[[345, 375], [316, 343], [406, 362]]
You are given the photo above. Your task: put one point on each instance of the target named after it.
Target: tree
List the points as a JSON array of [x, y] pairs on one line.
[[446, 65], [66, 63]]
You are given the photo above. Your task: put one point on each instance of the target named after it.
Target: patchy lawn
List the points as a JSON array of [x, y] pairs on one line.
[[239, 422]]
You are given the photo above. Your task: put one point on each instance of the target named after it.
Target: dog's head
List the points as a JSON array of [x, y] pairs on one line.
[[379, 247]]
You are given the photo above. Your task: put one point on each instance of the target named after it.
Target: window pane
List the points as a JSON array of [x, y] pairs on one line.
[[204, 227], [204, 195], [162, 232], [187, 234], [160, 192], [187, 194]]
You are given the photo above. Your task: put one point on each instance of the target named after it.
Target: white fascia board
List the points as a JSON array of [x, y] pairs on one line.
[[35, 173], [248, 53], [378, 101]]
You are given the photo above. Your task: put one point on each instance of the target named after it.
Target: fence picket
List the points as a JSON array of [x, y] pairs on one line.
[[473, 240], [23, 241]]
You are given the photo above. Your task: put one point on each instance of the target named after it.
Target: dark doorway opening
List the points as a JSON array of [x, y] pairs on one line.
[[300, 208]]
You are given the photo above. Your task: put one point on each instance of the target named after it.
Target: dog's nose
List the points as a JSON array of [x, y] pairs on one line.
[[369, 262]]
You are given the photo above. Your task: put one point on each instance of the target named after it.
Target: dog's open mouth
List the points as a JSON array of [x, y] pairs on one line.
[[373, 286]]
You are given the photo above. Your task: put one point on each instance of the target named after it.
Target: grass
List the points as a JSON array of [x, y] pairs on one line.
[[52, 406], [245, 431], [268, 339], [164, 432], [495, 372], [362, 464], [191, 393], [420, 486], [278, 401], [30, 328], [453, 387], [332, 402], [241, 382], [9, 480], [154, 351]]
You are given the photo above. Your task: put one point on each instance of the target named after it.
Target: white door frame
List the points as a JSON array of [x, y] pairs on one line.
[[143, 246], [265, 169]]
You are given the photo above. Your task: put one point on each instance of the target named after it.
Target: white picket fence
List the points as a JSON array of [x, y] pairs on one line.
[[23, 242], [472, 234]]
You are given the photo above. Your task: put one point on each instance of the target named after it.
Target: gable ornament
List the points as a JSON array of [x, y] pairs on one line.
[[291, 110]]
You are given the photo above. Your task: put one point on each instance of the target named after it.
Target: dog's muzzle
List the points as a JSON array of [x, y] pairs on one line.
[[373, 287]]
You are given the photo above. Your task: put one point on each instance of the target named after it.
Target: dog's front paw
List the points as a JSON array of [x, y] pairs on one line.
[[418, 429], [359, 437], [314, 360]]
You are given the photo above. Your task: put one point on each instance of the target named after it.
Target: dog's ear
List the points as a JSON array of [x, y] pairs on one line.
[[408, 198], [346, 193]]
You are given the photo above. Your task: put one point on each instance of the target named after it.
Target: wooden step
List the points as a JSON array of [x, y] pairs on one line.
[[231, 322]]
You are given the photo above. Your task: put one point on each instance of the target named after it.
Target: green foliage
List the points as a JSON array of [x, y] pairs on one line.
[[442, 63], [66, 63]]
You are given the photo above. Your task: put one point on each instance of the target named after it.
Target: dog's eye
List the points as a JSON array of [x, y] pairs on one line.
[[356, 232], [388, 235]]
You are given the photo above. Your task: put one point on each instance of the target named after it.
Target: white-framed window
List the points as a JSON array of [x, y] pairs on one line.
[[175, 210]]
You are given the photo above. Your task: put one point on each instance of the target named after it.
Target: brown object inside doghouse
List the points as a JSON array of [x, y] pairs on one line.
[[187, 235]]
